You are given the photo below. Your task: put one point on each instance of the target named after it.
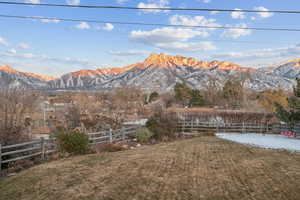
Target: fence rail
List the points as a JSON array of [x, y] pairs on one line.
[[42, 147], [189, 126], [226, 127]]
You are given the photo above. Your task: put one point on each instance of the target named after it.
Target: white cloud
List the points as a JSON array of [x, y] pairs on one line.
[[238, 14], [33, 1], [41, 57], [193, 21], [23, 46], [129, 53], [73, 2], [12, 51], [31, 62], [172, 39], [83, 26], [205, 1], [187, 46], [108, 27], [122, 1], [3, 42], [165, 35], [50, 20], [263, 14], [235, 32], [263, 54], [42, 19], [154, 4]]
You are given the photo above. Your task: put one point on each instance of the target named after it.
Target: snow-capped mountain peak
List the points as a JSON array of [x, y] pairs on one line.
[[158, 72]]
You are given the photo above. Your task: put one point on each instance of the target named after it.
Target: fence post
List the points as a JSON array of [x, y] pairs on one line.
[[0, 158], [123, 133], [243, 128], [183, 125], [43, 148], [110, 135]]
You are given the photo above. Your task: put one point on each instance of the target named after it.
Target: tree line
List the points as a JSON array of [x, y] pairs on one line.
[[97, 110]]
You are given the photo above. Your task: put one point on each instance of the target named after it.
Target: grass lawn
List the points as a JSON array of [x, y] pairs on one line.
[[198, 168]]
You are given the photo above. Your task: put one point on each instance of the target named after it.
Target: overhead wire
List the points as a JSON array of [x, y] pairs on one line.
[[151, 8], [149, 24]]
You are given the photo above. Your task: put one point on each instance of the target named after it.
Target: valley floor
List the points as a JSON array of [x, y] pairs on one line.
[[198, 168]]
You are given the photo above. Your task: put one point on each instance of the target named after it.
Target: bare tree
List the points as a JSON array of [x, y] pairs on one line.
[[94, 110], [212, 92], [124, 104], [16, 107]]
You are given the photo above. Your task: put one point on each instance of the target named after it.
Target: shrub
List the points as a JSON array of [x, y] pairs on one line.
[[153, 96], [152, 124], [143, 135], [162, 125], [73, 142]]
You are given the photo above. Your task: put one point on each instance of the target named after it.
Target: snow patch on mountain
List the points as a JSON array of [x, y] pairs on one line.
[[159, 72]]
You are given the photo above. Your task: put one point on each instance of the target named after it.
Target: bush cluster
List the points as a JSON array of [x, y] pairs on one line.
[[73, 142], [143, 135], [163, 126]]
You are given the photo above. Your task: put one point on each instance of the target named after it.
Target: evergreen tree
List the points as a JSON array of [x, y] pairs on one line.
[[188, 96], [233, 92], [196, 98], [153, 96], [182, 93], [291, 114]]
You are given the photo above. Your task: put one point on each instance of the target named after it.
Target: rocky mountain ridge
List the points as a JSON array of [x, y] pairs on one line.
[[158, 72]]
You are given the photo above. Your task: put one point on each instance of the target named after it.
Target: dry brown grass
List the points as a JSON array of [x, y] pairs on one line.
[[204, 133], [198, 168]]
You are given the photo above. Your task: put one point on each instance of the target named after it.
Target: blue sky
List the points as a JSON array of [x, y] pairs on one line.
[[57, 47]]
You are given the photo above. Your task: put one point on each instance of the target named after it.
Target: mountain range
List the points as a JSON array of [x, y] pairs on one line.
[[158, 72]]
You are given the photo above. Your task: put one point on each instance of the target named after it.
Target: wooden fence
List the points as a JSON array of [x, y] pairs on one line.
[[41, 148], [190, 126]]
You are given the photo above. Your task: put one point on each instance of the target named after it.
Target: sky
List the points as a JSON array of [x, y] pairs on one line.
[[54, 47]]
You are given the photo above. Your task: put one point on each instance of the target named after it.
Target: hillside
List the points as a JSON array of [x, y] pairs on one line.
[[10, 77], [290, 69], [159, 72], [199, 168]]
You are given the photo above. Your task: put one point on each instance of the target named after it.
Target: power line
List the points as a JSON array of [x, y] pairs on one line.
[[154, 8], [149, 24]]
